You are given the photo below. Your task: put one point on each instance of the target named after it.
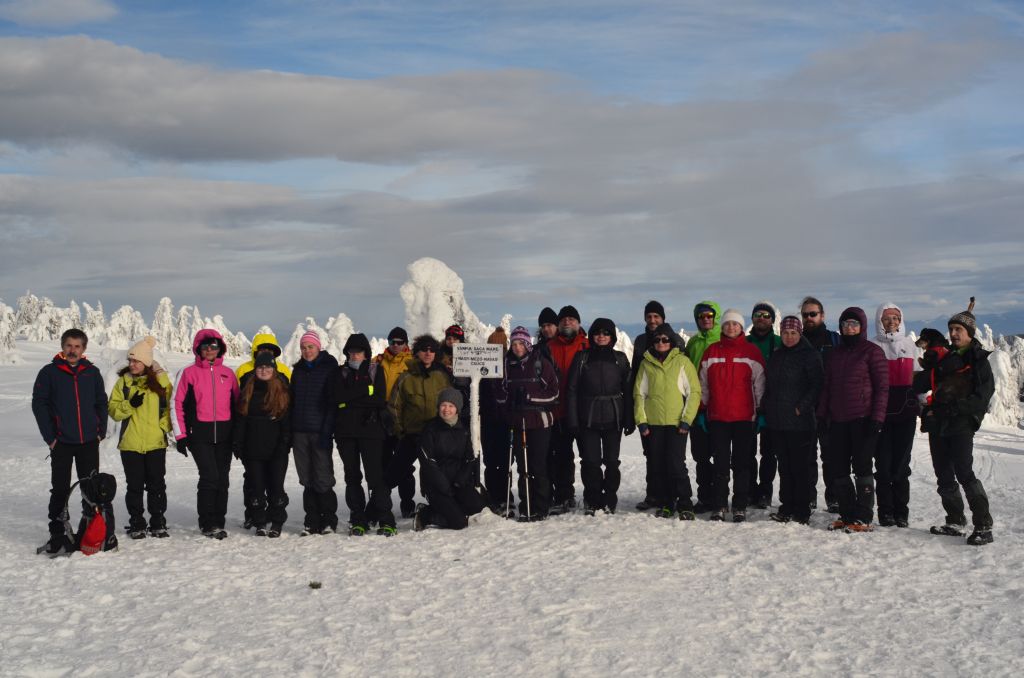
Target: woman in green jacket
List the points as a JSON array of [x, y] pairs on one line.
[[666, 395], [140, 400]]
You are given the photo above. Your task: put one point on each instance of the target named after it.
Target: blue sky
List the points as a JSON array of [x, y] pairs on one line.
[[272, 160]]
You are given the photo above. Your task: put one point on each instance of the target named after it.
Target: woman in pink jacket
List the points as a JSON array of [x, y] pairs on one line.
[[204, 397]]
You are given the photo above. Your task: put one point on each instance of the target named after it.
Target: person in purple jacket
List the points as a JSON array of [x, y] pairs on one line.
[[853, 404], [204, 397]]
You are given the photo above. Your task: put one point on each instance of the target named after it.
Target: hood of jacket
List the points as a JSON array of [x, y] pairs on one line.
[[716, 329], [265, 341], [358, 342], [855, 313], [206, 335], [880, 334]]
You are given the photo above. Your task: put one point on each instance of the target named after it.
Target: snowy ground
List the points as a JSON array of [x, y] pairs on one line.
[[611, 595]]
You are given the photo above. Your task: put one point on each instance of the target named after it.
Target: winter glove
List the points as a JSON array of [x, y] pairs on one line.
[[762, 423], [684, 429], [644, 429], [136, 400], [702, 422], [182, 446], [628, 430], [326, 441], [236, 452]]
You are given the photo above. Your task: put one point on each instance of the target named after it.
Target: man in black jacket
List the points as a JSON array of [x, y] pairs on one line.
[[963, 386], [824, 340], [70, 407]]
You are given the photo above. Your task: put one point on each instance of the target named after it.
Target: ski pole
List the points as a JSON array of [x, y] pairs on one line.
[[526, 469], [508, 494]]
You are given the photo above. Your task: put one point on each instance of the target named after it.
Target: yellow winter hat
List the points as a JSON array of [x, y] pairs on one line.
[[143, 351]]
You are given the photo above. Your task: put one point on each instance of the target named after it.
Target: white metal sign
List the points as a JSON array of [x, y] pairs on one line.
[[477, 361]]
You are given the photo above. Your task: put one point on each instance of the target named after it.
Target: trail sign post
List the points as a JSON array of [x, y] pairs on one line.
[[477, 361]]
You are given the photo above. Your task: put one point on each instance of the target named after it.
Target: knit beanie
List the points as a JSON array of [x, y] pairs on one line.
[[520, 333], [398, 333], [264, 359], [450, 395], [568, 312], [654, 307], [498, 336], [455, 331], [143, 351], [966, 318], [547, 316], [732, 315], [764, 306], [791, 322], [310, 337]]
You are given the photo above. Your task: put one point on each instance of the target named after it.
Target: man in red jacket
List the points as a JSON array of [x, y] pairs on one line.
[[570, 340], [732, 383]]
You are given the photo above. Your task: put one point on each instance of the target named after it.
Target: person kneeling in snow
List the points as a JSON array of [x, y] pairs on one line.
[[449, 471]]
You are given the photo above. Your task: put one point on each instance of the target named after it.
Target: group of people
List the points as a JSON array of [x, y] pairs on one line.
[[753, 407]]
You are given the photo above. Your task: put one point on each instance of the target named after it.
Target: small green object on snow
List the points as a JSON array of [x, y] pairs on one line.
[[315, 584]]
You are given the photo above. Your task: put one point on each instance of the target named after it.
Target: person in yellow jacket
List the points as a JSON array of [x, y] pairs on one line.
[[141, 400], [395, 361], [412, 404], [264, 342], [666, 396]]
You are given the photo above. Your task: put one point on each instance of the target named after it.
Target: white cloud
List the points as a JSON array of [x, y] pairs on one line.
[[54, 13]]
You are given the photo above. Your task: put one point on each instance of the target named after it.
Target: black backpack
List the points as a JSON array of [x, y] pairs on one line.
[[96, 528]]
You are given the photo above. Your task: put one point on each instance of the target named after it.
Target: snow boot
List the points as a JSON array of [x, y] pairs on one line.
[[275, 530], [327, 529], [645, 505], [832, 507], [980, 537], [664, 512], [687, 515], [948, 530], [739, 515], [902, 522], [136, 534], [388, 530], [837, 526], [261, 530], [780, 517], [357, 530], [886, 520], [718, 515], [858, 526]]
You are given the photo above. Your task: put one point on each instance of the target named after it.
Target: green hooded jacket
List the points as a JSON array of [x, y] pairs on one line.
[[666, 393], [699, 342], [145, 427]]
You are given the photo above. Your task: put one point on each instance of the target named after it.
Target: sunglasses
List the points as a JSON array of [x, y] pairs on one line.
[[429, 349], [850, 323], [602, 333], [207, 346], [707, 315], [811, 314], [762, 315], [662, 340], [398, 342]]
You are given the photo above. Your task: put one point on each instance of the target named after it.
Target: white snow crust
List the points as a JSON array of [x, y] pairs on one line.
[[626, 594]]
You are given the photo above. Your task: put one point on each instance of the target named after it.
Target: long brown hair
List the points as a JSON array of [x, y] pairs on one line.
[[275, 402], [152, 382]]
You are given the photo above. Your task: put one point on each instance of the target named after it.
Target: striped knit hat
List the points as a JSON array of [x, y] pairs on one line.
[[522, 334], [966, 318]]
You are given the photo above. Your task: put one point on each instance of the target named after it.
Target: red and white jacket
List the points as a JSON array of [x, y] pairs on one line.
[[732, 380], [902, 353]]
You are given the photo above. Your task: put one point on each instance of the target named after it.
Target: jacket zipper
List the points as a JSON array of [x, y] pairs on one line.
[[78, 410], [213, 388]]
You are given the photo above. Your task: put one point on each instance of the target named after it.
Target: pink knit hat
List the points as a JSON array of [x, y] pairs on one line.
[[310, 337]]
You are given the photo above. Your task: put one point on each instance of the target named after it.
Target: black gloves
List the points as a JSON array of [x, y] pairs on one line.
[[628, 430], [136, 400], [182, 446], [236, 451]]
